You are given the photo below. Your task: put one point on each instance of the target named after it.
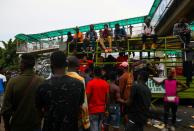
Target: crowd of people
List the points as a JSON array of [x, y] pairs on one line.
[[91, 37], [107, 35], [80, 97]]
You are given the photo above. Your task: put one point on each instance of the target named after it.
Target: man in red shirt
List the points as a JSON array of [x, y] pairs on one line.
[[97, 91], [85, 64], [121, 58]]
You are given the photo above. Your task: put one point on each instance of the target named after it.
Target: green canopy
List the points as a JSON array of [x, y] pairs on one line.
[[99, 26], [154, 8]]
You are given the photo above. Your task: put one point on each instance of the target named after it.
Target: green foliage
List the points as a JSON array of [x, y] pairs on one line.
[[8, 56]]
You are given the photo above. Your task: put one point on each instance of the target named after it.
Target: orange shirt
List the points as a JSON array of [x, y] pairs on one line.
[[78, 36]]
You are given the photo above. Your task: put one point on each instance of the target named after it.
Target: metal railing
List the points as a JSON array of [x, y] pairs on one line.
[[32, 47]]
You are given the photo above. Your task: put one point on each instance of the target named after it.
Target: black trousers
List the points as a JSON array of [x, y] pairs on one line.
[[187, 71], [144, 38], [186, 37], [74, 45], [167, 107], [133, 127]]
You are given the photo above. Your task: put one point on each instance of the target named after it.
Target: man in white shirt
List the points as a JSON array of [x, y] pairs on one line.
[[2, 87], [160, 67], [3, 78], [148, 32]]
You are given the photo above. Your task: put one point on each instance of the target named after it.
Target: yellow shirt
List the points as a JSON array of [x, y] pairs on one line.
[[84, 113]]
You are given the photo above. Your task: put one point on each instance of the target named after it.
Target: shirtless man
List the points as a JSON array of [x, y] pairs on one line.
[[113, 108]]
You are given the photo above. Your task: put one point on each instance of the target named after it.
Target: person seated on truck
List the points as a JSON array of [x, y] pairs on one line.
[[78, 37], [119, 33], [90, 39], [106, 36], [69, 37], [183, 30], [148, 32], [130, 31]]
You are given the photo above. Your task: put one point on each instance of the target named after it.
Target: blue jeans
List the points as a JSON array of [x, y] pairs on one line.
[[114, 116], [96, 121]]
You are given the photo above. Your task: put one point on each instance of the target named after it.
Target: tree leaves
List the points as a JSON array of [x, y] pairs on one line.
[[8, 56]]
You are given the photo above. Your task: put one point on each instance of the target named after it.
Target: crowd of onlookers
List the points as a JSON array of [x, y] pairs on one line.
[[70, 100], [88, 43], [81, 97], [106, 36]]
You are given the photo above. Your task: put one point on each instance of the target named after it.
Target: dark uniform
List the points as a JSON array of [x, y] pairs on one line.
[[19, 104], [61, 99], [138, 111]]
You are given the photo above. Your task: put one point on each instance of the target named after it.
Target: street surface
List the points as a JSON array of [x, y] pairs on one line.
[[184, 119]]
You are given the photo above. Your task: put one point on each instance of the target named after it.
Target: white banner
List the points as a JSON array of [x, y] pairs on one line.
[[154, 87]]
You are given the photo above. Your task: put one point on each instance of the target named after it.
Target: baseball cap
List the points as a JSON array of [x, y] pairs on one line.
[[124, 64]]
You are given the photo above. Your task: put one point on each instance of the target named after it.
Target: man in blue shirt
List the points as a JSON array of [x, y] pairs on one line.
[[90, 38], [2, 86], [119, 33]]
